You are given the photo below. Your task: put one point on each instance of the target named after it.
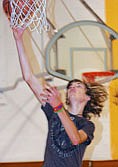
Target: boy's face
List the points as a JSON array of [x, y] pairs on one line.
[[76, 91]]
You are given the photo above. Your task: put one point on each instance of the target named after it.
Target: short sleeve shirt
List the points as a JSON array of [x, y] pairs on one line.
[[60, 152]]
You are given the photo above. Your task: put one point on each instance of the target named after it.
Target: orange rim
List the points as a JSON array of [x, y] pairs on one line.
[[90, 76]]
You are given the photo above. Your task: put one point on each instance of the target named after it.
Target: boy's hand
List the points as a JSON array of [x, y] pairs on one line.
[[51, 95]]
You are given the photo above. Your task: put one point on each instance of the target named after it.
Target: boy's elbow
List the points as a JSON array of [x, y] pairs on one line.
[[75, 141]]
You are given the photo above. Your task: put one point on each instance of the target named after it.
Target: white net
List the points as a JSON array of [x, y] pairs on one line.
[[29, 13]]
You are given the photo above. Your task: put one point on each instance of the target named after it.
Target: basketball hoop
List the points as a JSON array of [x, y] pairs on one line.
[[101, 77], [28, 13]]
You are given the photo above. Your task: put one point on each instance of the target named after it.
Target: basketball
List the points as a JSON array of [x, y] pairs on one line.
[[7, 8], [24, 6], [28, 13], [20, 7]]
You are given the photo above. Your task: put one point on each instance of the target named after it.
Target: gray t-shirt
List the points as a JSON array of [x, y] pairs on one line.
[[60, 152]]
